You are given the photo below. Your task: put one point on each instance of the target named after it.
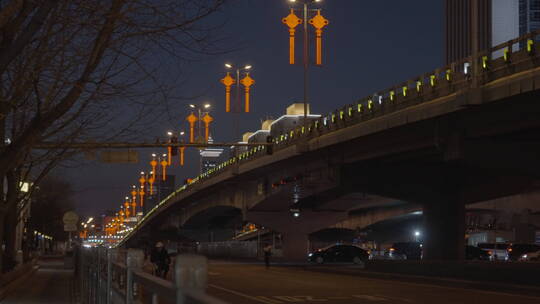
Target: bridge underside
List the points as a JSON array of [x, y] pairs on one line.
[[474, 152]]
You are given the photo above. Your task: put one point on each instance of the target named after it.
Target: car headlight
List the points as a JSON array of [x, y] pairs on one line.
[[524, 256], [311, 254]]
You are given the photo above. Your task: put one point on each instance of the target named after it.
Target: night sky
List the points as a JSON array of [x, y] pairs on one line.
[[367, 47]]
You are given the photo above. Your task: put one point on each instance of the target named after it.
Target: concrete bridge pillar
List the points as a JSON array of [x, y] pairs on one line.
[[295, 246], [295, 230], [440, 190], [444, 228]]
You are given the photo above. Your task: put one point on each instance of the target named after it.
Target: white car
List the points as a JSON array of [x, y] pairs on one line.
[[530, 256]]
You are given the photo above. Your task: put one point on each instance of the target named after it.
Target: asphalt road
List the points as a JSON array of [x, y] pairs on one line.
[[249, 283]]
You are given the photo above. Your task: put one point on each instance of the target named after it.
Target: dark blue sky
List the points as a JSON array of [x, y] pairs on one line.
[[368, 46]]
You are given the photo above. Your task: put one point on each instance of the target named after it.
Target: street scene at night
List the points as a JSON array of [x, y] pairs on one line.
[[269, 151]]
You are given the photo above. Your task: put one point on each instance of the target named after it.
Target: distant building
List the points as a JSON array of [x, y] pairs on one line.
[[293, 118], [210, 157], [498, 22]]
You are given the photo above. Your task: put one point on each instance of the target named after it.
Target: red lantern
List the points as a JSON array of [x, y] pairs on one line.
[[164, 169]]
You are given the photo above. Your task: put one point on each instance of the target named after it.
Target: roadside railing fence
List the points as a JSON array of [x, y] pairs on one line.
[[114, 276]]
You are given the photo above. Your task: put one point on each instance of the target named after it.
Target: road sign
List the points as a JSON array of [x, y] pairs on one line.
[[70, 217], [70, 227], [120, 157]]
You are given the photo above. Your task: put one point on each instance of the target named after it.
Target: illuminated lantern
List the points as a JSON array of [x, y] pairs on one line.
[[134, 206], [164, 169], [121, 216], [126, 206], [228, 81], [134, 200], [153, 163], [207, 119], [318, 23], [151, 181], [292, 21], [247, 82], [141, 194], [191, 119], [142, 180], [181, 150]]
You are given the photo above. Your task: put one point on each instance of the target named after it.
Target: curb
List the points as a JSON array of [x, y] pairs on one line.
[[440, 281]]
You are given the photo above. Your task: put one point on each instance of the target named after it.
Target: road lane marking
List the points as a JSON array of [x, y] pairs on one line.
[[242, 294], [289, 299], [369, 298]]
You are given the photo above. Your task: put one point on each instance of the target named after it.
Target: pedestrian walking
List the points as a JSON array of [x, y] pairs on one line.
[[161, 260], [267, 254]]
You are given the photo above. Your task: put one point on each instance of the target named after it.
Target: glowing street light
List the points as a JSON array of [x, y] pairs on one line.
[[202, 116], [318, 22]]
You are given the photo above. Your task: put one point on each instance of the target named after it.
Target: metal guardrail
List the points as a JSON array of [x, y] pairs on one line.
[[112, 276], [506, 59]]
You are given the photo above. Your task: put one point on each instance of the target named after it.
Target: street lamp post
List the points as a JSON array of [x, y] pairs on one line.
[[247, 82], [200, 112], [318, 22]]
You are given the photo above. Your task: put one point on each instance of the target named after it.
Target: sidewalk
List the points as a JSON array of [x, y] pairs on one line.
[[51, 283]]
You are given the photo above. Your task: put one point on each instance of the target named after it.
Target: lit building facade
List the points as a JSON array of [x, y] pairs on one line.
[[498, 22]]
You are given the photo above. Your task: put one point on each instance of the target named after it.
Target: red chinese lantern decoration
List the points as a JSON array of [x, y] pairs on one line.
[[151, 181], [141, 194], [318, 23], [292, 21], [247, 82], [228, 81], [126, 206], [134, 200], [181, 151], [207, 119], [164, 169], [191, 120]]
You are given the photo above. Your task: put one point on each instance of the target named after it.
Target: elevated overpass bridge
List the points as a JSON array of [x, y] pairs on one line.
[[461, 134]]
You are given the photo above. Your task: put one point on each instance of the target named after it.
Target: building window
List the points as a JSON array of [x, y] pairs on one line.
[[534, 5], [535, 16]]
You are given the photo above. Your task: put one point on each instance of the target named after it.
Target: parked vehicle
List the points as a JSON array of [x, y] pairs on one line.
[[339, 253], [475, 253], [517, 252], [497, 251], [405, 251]]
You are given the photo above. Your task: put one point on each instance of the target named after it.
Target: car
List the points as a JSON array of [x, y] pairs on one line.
[[497, 251], [475, 253], [516, 252], [339, 253], [530, 256], [405, 251]]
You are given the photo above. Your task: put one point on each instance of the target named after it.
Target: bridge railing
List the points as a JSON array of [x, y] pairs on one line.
[[116, 276], [511, 57]]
